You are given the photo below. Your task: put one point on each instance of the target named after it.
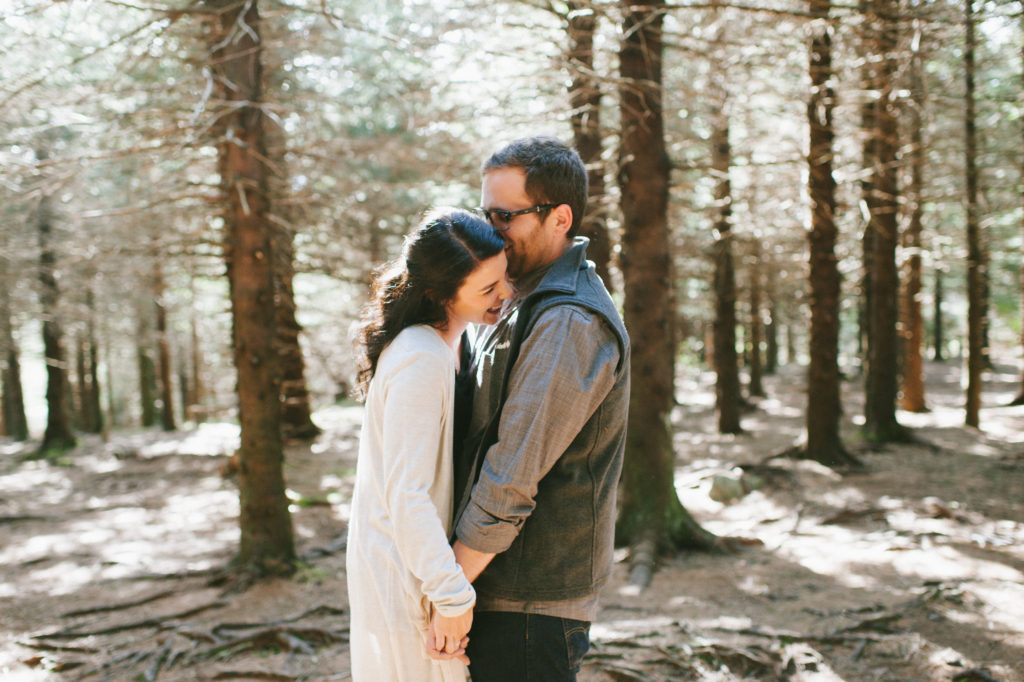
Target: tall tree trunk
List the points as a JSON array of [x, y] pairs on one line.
[[267, 540], [824, 407], [94, 410], [912, 376], [975, 262], [651, 518], [77, 388], [59, 435], [938, 323], [882, 378], [296, 410], [771, 333], [196, 388], [585, 100], [163, 349], [727, 384], [12, 400], [147, 367], [1019, 400], [756, 386]]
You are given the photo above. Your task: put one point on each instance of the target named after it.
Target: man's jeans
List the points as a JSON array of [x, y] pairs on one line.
[[523, 647]]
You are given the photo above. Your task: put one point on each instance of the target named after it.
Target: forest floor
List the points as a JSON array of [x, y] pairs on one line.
[[911, 570]]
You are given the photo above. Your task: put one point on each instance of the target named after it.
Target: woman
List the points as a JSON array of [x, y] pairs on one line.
[[403, 582]]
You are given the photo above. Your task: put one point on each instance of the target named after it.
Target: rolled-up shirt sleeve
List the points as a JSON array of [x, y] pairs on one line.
[[565, 368]]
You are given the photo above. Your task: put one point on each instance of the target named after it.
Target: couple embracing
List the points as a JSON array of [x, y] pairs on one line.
[[496, 374]]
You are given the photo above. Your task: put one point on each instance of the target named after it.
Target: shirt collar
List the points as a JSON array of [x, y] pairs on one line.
[[559, 275]]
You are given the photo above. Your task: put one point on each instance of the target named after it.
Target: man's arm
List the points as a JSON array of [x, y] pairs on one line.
[[473, 562], [565, 368]]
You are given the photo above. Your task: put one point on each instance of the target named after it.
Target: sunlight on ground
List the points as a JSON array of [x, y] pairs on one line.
[[216, 438]]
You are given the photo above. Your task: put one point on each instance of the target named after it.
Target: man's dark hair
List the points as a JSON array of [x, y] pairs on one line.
[[555, 173]]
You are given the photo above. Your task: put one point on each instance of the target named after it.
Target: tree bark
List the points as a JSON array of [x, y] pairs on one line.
[[59, 435], [727, 384], [824, 408], [12, 400], [975, 263], [912, 395], [267, 540], [651, 515], [296, 410], [585, 100], [881, 198], [15, 424]]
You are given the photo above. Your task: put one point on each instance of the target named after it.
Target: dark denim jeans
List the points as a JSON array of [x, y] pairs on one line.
[[523, 647]]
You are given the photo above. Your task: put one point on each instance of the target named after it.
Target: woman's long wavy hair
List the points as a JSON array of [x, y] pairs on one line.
[[417, 287]]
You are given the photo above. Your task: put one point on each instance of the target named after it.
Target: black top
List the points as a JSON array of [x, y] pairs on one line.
[[463, 400], [464, 388]]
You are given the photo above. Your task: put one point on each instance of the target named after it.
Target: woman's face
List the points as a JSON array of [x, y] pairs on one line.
[[479, 299]]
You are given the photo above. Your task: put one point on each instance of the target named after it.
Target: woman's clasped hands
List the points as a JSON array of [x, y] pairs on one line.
[[447, 637]]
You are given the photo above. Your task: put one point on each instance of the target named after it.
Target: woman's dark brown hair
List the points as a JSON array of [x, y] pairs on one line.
[[416, 288]]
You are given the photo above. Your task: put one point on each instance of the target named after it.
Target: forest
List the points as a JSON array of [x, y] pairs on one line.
[[810, 213]]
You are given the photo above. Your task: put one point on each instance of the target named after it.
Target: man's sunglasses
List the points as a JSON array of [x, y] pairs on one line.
[[500, 218]]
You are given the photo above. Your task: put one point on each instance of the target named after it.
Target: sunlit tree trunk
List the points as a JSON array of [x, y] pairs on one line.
[[58, 436], [727, 383], [881, 198], [267, 540], [585, 100], [652, 519], [912, 396], [975, 261], [823, 381]]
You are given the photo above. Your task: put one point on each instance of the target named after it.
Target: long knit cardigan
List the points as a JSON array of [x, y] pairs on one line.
[[399, 561]]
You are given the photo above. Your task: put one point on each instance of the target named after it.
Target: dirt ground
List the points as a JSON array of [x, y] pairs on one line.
[[912, 570]]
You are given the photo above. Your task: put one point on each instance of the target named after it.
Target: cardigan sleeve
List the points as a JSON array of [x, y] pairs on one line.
[[414, 434]]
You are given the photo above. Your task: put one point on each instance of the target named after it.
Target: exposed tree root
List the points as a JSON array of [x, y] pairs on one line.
[[118, 607], [184, 644]]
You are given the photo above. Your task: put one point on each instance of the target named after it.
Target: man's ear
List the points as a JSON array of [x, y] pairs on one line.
[[562, 215]]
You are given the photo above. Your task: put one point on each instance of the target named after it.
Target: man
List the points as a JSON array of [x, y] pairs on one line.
[[535, 533]]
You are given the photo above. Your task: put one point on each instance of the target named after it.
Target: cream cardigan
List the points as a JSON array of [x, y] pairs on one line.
[[398, 557]]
